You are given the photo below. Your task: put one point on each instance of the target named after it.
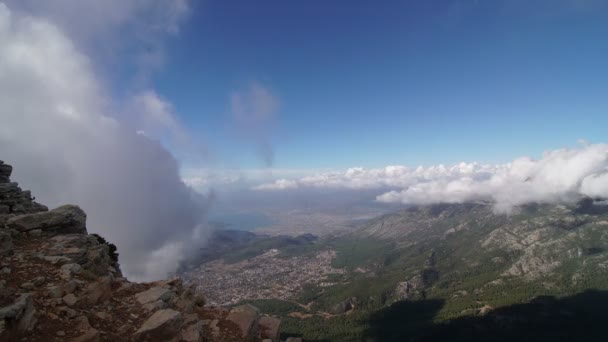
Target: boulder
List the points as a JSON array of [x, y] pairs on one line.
[[70, 299], [193, 333], [246, 317], [161, 326], [154, 294], [269, 328], [19, 316], [65, 219]]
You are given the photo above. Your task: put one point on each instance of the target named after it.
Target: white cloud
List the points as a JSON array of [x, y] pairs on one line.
[[112, 31], [281, 184], [56, 130], [154, 117], [254, 112], [559, 176]]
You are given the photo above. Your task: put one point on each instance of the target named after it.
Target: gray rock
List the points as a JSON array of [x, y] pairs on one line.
[[66, 271], [5, 170], [154, 294], [21, 315], [162, 325], [159, 304], [65, 219], [70, 299]]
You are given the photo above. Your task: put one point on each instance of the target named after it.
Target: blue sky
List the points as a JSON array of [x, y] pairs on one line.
[[404, 82]]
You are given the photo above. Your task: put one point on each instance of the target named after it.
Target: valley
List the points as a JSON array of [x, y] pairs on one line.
[[463, 260]]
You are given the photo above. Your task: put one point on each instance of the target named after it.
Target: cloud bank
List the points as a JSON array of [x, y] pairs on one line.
[[57, 131], [559, 176]]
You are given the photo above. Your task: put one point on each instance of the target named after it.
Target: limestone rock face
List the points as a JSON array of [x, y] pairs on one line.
[[65, 219], [162, 325]]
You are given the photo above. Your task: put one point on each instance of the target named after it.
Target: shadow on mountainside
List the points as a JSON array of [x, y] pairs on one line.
[[581, 317]]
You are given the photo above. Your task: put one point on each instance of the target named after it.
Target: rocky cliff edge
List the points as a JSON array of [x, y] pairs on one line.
[[59, 283]]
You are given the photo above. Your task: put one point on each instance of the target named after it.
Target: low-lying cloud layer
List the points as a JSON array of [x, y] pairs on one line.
[[559, 176], [57, 131]]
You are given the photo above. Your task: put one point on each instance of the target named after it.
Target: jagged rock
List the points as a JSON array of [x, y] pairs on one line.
[[270, 328], [162, 325], [19, 316], [246, 317], [5, 170], [65, 219], [6, 243], [158, 305], [193, 333], [153, 295]]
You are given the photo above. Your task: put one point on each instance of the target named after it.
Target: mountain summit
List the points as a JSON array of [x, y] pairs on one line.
[[58, 283]]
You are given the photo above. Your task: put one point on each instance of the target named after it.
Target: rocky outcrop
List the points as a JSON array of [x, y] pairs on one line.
[[13, 200], [418, 284], [67, 219], [162, 325], [59, 283], [345, 306]]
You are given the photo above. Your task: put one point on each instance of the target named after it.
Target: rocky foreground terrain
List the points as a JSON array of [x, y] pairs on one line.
[[59, 283]]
